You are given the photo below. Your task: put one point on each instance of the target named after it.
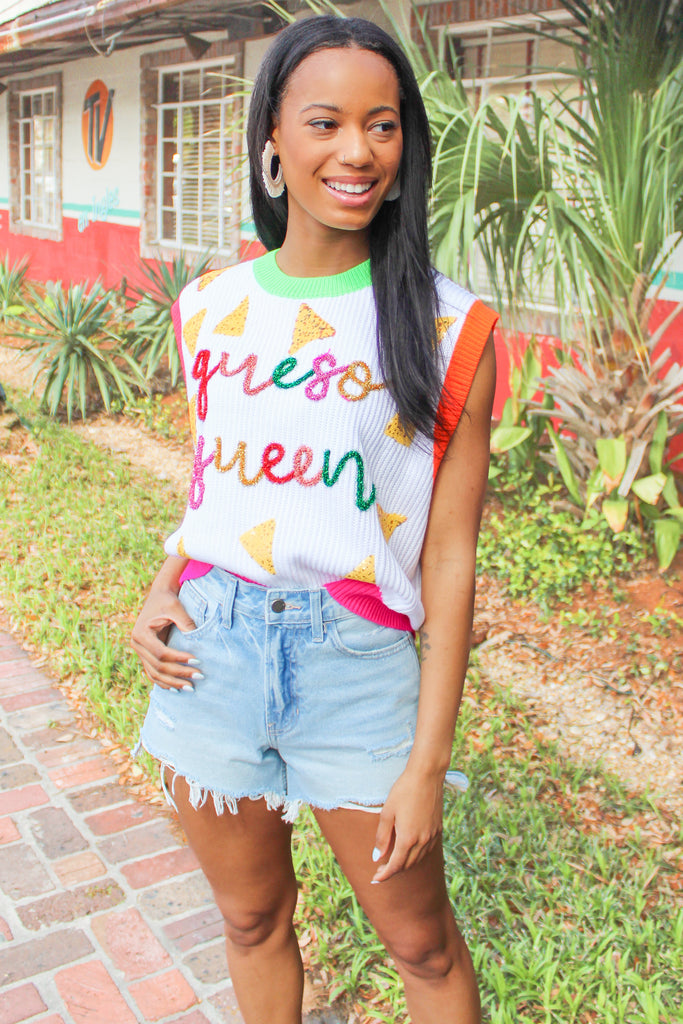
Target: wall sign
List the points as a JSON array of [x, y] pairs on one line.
[[97, 124]]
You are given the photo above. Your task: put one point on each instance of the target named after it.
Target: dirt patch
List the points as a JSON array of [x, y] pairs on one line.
[[608, 693]]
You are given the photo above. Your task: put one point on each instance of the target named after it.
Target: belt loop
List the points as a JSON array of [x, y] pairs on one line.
[[317, 616], [228, 600]]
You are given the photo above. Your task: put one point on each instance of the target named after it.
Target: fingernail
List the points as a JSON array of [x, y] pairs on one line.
[[192, 661], [376, 854], [188, 686], [196, 675], [375, 881]]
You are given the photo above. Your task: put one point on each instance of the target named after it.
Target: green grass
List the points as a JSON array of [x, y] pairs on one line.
[[564, 927]]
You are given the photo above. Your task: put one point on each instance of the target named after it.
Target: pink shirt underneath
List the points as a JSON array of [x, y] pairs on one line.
[[364, 599]]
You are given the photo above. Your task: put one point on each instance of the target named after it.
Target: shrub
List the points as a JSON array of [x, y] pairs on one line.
[[153, 342], [79, 355]]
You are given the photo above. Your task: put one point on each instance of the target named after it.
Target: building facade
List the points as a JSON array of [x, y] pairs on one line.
[[120, 121]]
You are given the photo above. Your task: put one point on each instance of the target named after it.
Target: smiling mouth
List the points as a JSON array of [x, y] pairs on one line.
[[350, 189]]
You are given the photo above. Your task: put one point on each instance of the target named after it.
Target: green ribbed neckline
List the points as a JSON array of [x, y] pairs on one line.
[[272, 280]]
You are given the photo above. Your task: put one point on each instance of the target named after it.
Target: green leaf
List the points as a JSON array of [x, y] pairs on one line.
[[612, 458], [667, 539], [670, 491], [615, 511], [649, 488], [658, 445], [595, 486], [494, 471], [564, 466], [505, 438]]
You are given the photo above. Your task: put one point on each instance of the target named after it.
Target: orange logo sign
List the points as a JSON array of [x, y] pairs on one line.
[[97, 124]]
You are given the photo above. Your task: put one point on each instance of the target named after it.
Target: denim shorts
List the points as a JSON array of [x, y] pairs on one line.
[[301, 701]]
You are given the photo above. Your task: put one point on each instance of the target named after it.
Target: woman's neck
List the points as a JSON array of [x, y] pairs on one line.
[[322, 256]]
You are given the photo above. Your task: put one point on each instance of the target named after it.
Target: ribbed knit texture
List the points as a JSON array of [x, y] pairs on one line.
[[302, 475]]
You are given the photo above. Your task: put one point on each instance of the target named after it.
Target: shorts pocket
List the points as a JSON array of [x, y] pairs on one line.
[[356, 635], [198, 607]]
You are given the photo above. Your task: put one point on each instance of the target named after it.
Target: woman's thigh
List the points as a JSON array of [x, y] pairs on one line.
[[410, 911], [246, 858]]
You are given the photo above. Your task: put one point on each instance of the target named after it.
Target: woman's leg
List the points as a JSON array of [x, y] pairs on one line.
[[413, 917], [247, 860]]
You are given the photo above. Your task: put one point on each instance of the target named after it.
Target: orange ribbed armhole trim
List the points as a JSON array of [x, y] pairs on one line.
[[474, 334]]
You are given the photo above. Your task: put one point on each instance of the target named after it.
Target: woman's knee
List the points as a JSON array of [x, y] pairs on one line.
[[429, 951], [248, 925]]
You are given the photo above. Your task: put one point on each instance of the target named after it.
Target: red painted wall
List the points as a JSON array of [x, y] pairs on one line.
[[106, 251]]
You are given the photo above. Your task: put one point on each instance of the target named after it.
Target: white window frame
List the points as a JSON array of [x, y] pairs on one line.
[[228, 237], [32, 197]]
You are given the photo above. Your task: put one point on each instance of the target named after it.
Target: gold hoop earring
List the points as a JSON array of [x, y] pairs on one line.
[[274, 186]]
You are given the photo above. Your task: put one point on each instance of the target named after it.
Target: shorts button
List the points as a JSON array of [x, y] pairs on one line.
[[279, 605]]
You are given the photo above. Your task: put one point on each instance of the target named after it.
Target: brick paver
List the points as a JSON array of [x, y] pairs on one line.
[[104, 915]]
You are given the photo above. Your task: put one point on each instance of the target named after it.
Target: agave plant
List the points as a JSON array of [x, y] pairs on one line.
[[153, 342], [78, 354], [12, 279], [613, 429]]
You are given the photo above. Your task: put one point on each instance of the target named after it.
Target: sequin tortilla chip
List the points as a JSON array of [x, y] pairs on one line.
[[258, 543], [235, 322], [395, 431], [309, 327], [365, 572], [191, 330]]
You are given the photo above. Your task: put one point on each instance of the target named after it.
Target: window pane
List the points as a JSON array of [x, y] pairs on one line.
[[25, 106], [189, 233], [213, 84], [190, 153], [212, 122], [49, 103], [27, 184], [170, 124], [191, 85], [191, 123], [26, 133], [170, 87], [27, 208], [37, 104], [168, 224], [170, 157], [168, 190]]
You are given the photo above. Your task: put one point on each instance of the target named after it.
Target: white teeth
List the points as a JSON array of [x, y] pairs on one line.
[[339, 186]]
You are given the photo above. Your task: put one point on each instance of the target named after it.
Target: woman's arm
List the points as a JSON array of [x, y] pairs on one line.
[[166, 667], [412, 814]]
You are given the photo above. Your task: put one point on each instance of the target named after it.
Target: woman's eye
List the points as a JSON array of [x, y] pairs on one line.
[[384, 127], [324, 123]]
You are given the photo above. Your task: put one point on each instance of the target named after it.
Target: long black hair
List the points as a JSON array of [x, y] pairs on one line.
[[402, 277]]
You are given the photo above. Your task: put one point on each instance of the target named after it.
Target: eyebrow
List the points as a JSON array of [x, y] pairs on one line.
[[338, 110]]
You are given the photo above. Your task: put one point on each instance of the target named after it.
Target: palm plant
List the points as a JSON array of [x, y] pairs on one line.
[[153, 342], [582, 191], [79, 354]]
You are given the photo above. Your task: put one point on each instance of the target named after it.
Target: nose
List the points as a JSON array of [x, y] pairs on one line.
[[355, 148]]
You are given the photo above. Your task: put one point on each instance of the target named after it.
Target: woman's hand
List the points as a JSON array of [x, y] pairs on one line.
[[410, 822], [166, 667]]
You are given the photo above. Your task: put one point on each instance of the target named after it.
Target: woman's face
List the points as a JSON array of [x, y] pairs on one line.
[[339, 139]]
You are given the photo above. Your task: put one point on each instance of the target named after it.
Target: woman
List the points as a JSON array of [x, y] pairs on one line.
[[325, 382]]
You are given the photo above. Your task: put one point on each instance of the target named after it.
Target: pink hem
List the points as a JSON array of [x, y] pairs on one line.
[[365, 599]]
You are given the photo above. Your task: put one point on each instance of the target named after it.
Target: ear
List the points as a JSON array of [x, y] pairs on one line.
[[274, 138]]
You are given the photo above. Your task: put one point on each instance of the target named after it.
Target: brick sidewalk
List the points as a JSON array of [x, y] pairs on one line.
[[105, 917]]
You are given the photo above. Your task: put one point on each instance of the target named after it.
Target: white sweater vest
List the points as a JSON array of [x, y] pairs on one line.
[[302, 475]]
